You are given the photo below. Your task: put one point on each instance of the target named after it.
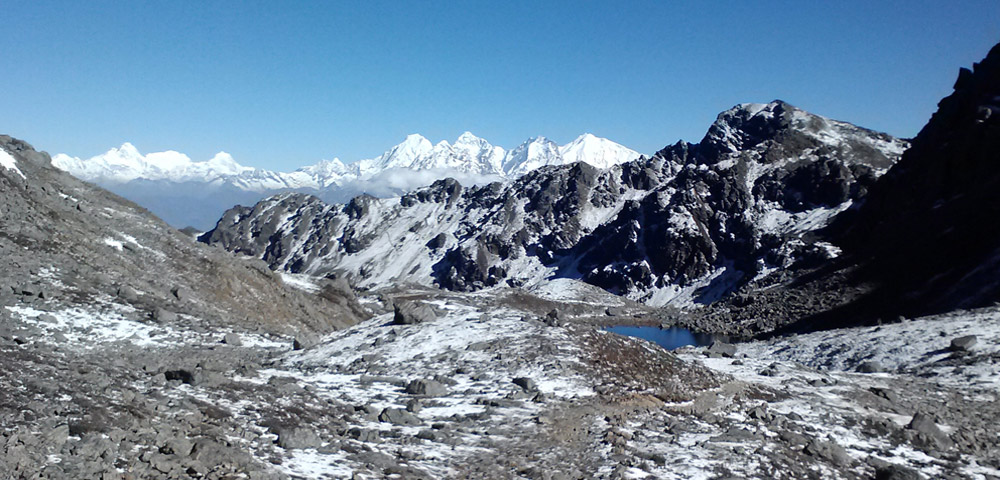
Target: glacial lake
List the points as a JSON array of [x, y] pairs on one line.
[[669, 338]]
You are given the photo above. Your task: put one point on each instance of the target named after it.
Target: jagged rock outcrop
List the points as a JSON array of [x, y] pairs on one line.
[[691, 222], [924, 240], [928, 229]]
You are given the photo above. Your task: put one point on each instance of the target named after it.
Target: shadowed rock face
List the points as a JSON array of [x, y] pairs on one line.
[[736, 203], [928, 228], [924, 240], [80, 243]]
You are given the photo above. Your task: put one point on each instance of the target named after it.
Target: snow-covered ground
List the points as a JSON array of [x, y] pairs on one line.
[[790, 407], [817, 381]]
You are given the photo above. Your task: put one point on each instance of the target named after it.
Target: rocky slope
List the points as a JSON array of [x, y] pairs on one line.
[[921, 242], [189, 193], [688, 224], [100, 302], [68, 239]]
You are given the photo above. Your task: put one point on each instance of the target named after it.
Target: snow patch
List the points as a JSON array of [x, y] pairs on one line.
[[7, 161]]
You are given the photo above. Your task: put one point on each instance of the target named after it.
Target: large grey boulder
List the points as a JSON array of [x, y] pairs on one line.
[[427, 388], [722, 349], [829, 451], [928, 433], [963, 344], [298, 437], [527, 384], [398, 416], [410, 313]]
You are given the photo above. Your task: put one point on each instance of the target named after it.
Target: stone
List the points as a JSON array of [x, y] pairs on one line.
[[429, 435], [398, 416], [828, 451], [527, 384], [364, 434], [928, 433], [427, 388], [232, 339], [411, 313], [302, 342], [438, 241], [160, 315], [298, 437], [963, 344], [871, 367], [722, 349]]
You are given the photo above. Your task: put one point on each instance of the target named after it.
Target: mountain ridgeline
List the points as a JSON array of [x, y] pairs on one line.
[[690, 223], [924, 241], [188, 193]]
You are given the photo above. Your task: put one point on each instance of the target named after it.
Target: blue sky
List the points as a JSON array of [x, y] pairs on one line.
[[284, 84]]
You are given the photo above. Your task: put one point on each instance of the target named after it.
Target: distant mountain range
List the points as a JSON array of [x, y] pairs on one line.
[[185, 192]]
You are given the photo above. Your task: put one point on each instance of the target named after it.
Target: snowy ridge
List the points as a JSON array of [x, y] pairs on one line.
[[188, 193], [469, 155]]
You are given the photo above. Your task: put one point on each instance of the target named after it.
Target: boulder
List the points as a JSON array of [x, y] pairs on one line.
[[410, 313], [963, 344], [871, 367], [427, 388], [232, 339], [160, 315], [526, 383], [298, 437], [398, 416], [304, 341], [722, 349], [829, 451], [928, 432]]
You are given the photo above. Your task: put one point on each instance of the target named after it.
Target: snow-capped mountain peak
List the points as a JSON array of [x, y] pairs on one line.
[[467, 138], [326, 168], [126, 163], [405, 154], [597, 151]]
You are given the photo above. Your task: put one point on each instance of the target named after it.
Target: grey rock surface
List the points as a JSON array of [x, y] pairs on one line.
[[411, 312]]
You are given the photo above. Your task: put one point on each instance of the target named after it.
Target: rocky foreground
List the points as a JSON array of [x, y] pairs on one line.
[[507, 384]]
